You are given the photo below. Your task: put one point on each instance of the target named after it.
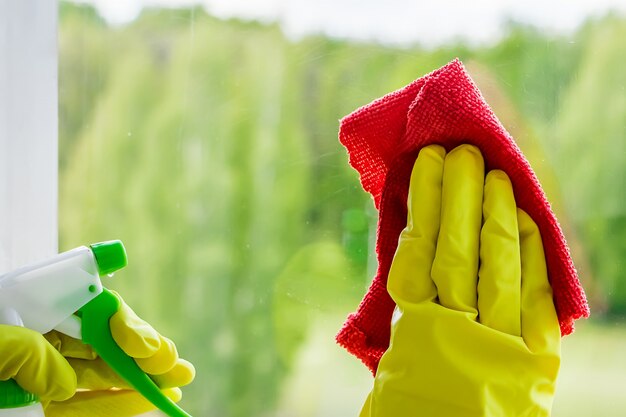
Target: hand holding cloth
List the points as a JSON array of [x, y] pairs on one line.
[[383, 140], [474, 331]]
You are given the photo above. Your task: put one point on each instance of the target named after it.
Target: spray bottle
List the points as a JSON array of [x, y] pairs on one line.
[[65, 293]]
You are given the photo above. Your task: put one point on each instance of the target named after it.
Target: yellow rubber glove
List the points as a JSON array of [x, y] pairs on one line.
[[475, 332], [56, 366], [36, 366]]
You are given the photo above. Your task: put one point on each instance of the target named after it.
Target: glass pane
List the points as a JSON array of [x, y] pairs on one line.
[[208, 144]]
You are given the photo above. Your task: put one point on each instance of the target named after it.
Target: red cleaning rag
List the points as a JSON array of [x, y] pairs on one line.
[[383, 139]]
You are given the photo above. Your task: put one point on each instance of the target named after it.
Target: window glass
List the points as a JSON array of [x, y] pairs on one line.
[[207, 141]]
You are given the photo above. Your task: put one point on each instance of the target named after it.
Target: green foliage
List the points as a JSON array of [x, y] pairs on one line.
[[534, 69], [210, 148], [589, 154], [312, 282], [85, 52]]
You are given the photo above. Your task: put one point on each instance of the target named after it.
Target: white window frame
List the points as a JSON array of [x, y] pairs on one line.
[[28, 131]]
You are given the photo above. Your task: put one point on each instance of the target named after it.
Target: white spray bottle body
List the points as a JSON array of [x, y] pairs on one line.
[[44, 296]]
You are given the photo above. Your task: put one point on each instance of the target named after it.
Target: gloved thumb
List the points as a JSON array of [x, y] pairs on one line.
[[28, 358]]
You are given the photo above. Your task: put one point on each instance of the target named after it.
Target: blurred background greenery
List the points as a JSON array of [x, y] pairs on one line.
[[210, 148]]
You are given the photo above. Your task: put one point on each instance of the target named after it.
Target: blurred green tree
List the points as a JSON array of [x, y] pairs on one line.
[[589, 154]]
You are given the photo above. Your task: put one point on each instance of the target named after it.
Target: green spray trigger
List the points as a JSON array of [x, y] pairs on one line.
[[96, 332]]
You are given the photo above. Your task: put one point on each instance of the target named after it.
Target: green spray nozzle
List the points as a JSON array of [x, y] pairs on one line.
[[110, 256], [96, 332]]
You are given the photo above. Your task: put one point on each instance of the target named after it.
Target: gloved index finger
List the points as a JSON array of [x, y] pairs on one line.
[[135, 336], [409, 278]]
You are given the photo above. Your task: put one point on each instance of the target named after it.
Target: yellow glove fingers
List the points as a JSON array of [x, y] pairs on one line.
[[455, 267], [34, 364], [540, 325], [136, 337], [499, 282], [123, 403], [409, 278], [162, 360], [441, 361], [95, 375], [180, 375], [70, 347]]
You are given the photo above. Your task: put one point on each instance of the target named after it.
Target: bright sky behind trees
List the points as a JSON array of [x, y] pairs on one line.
[[389, 21]]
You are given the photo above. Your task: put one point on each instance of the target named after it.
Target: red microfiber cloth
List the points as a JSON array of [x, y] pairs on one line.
[[383, 139]]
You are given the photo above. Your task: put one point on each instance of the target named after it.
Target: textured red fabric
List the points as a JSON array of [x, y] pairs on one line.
[[383, 139]]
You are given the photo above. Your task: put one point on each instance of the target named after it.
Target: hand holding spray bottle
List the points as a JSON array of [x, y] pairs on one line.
[[65, 293]]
